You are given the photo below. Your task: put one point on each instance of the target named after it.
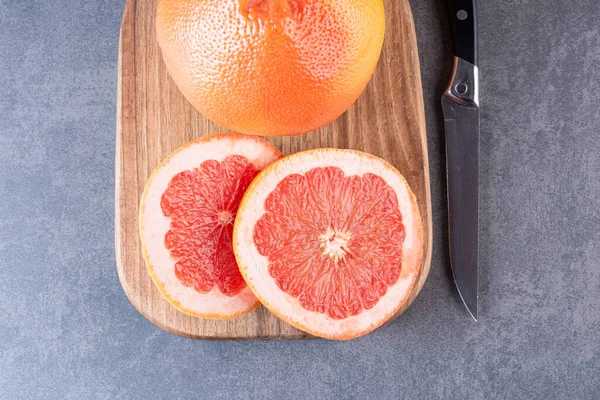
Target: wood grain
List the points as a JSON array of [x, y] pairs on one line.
[[153, 119]]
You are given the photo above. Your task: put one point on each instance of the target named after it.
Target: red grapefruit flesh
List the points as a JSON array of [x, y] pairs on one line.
[[330, 241], [186, 223]]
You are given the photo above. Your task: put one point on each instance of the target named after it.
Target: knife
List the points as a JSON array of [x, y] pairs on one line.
[[460, 105]]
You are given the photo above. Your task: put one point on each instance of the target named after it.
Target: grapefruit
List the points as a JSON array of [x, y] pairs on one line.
[[186, 220], [271, 67], [330, 241]]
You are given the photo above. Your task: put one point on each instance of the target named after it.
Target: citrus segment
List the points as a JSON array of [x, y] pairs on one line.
[[186, 223], [330, 241]]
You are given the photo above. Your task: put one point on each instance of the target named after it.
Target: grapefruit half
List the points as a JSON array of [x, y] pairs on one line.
[[330, 241], [186, 220]]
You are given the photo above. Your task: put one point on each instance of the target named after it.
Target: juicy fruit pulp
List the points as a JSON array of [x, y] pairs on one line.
[[271, 67], [202, 204], [334, 242]]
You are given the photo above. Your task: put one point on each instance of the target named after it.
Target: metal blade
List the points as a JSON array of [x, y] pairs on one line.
[[462, 157]]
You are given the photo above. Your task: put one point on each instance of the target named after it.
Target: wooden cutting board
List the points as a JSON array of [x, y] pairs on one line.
[[153, 119]]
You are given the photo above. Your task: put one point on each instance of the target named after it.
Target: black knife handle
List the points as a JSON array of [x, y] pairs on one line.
[[463, 17]]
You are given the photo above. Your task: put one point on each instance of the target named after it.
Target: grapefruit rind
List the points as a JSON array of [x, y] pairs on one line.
[[254, 266], [153, 225]]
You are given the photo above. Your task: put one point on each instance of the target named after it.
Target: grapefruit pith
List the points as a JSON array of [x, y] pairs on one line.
[[330, 241], [271, 67], [186, 220]]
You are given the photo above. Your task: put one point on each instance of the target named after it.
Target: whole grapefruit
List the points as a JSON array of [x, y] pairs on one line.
[[271, 67]]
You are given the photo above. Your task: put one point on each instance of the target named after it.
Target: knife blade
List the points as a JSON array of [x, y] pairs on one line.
[[460, 105]]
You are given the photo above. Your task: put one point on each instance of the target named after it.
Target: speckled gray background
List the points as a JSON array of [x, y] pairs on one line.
[[68, 331]]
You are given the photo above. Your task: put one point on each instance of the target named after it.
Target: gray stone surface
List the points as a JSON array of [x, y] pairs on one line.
[[68, 331]]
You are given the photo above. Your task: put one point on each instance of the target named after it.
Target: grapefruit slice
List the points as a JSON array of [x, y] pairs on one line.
[[186, 221], [330, 241]]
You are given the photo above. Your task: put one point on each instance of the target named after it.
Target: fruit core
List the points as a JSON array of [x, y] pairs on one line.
[[226, 217], [333, 242], [201, 204]]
